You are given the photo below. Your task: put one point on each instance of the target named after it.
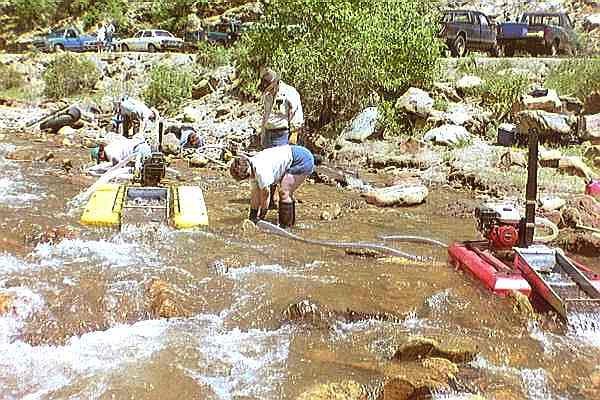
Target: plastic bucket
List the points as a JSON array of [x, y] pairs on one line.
[[593, 189], [505, 137]]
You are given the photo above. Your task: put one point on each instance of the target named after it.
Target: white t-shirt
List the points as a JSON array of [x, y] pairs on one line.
[[119, 149], [276, 108], [270, 165]]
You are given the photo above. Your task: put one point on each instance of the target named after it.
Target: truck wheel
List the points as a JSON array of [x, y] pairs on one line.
[[124, 47], [58, 48], [509, 51], [151, 48], [496, 51], [460, 46]]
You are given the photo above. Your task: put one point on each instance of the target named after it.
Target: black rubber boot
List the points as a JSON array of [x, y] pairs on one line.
[[253, 216], [262, 214], [272, 191], [287, 214]]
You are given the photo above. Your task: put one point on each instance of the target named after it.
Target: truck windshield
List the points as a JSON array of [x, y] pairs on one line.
[[163, 34], [544, 20]]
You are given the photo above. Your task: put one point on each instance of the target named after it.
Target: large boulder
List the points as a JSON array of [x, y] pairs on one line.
[[362, 126], [468, 83], [550, 126], [550, 103], [415, 101], [589, 128], [592, 21], [398, 195], [448, 135]]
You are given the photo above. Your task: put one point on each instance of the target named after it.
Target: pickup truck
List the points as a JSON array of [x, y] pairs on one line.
[[465, 30], [224, 33], [66, 39], [538, 33]]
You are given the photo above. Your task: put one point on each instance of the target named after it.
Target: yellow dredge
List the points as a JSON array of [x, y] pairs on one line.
[[147, 201], [182, 206]]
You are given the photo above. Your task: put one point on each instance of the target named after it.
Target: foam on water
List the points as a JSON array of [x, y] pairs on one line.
[[276, 269], [585, 326], [33, 372], [24, 304], [535, 383], [15, 191], [237, 363], [114, 253], [10, 264]]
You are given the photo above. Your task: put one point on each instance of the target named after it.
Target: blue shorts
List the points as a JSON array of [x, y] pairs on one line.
[[303, 162], [274, 138]]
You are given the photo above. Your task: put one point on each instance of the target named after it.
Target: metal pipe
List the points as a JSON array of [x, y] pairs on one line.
[[160, 135], [528, 227]]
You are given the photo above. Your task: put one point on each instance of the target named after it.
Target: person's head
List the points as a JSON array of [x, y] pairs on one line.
[[269, 81], [98, 154], [240, 168], [194, 139]]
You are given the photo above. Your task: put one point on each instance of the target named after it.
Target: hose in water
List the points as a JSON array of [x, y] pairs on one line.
[[546, 223], [340, 245], [413, 239]]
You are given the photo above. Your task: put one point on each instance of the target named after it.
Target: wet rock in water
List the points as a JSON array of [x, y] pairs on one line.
[[6, 303], [47, 157], [50, 235], [336, 391], [309, 312], [162, 300], [522, 306], [421, 348], [550, 103], [415, 101], [447, 135], [361, 127], [22, 154], [331, 213], [397, 195], [363, 252]]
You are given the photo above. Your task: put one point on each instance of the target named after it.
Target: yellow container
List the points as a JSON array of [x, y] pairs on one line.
[[105, 206], [189, 209]]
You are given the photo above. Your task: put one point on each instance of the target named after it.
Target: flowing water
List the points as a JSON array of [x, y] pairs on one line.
[[81, 324]]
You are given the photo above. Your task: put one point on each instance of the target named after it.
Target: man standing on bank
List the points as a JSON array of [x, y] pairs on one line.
[[283, 117], [285, 165]]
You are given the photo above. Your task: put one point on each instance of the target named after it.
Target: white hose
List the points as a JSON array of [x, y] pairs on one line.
[[546, 223]]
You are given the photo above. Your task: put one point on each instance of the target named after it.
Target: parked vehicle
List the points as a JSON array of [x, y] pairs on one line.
[[538, 33], [150, 40], [224, 33], [66, 39], [465, 30]]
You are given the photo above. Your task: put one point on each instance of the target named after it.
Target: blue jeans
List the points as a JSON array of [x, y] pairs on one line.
[[303, 162]]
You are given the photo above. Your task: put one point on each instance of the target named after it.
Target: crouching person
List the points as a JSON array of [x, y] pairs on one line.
[[121, 149], [286, 165]]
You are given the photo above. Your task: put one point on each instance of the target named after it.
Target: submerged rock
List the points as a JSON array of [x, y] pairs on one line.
[[6, 303], [162, 300], [420, 348], [336, 391], [398, 195]]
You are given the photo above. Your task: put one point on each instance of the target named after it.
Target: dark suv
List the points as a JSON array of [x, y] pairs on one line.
[[465, 30]]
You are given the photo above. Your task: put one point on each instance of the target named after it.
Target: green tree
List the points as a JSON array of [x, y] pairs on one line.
[[33, 12], [68, 75], [338, 52], [169, 87]]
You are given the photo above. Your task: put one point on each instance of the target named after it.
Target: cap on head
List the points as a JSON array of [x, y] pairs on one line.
[[240, 168], [267, 77]]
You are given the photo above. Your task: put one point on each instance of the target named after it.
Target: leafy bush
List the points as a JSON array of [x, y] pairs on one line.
[[69, 75], [33, 12], [10, 78], [213, 56], [169, 87], [575, 77], [502, 85], [337, 52]]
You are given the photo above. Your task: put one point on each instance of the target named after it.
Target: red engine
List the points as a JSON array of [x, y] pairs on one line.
[[499, 223]]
